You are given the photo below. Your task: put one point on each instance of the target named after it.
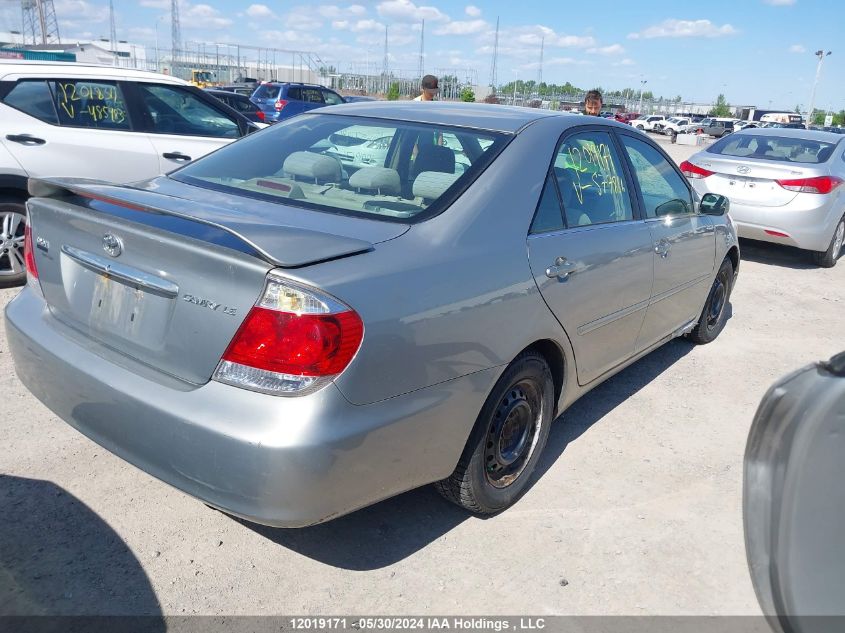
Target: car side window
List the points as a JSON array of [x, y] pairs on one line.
[[174, 110], [294, 93], [664, 190], [312, 95], [33, 98], [91, 104], [548, 216], [332, 98], [591, 181]]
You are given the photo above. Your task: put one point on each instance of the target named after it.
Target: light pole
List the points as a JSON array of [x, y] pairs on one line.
[[643, 82], [821, 55], [515, 81]]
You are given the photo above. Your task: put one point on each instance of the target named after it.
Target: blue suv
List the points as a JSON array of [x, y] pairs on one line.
[[282, 100]]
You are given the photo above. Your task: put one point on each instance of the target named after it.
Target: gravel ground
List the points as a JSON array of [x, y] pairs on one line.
[[637, 509]]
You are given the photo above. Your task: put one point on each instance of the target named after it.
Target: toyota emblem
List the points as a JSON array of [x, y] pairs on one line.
[[112, 244], [742, 169]]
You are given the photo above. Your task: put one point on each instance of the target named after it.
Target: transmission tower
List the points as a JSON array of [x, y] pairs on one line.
[[384, 67], [175, 32], [495, 61], [40, 25], [540, 68], [421, 70], [112, 27]]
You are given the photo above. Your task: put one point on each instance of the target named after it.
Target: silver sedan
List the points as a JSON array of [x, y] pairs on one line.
[[785, 186], [289, 338]]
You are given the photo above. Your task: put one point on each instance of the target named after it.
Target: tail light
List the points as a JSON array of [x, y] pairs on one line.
[[820, 184], [29, 261], [694, 172], [294, 340], [281, 103], [260, 115]]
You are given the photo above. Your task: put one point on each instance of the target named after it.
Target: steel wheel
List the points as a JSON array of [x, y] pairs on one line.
[[838, 238], [512, 437], [12, 230], [713, 317]]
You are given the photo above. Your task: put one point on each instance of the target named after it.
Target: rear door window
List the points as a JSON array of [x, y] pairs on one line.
[[591, 181], [312, 95], [92, 104], [33, 98]]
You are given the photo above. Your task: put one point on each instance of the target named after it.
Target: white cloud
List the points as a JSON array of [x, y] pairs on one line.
[[155, 4], [684, 28], [76, 10], [461, 28], [533, 35], [202, 16], [797, 48], [473, 11], [780, 3], [407, 11], [613, 49], [358, 26], [625, 62], [334, 12], [259, 11], [302, 19]]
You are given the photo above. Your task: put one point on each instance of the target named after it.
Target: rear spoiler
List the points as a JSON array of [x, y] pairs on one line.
[[279, 245]]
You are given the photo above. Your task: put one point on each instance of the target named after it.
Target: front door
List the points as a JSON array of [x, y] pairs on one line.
[[590, 256], [684, 242]]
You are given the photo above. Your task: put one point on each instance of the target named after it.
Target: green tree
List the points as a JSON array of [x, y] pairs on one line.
[[393, 92], [467, 95], [722, 107], [839, 119], [818, 117]]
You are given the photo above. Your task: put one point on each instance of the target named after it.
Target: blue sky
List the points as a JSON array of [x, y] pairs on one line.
[[753, 51]]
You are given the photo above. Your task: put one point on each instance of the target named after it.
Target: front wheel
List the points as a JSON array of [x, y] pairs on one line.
[[828, 258], [713, 317], [506, 441], [12, 228]]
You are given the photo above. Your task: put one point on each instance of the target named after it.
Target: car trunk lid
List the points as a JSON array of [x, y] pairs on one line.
[[134, 272], [752, 180]]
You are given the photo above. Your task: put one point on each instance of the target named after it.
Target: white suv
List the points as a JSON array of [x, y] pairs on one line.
[[86, 121], [646, 123]]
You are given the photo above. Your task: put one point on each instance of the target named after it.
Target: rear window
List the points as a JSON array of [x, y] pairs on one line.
[[266, 91], [391, 170], [778, 148]]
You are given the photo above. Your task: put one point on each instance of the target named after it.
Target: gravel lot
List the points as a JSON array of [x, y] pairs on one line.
[[637, 511]]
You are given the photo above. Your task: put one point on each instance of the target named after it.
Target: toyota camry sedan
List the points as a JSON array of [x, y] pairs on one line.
[[289, 337], [785, 186]]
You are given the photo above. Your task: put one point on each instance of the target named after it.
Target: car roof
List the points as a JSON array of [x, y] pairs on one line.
[[65, 69], [482, 116], [291, 83], [787, 132]]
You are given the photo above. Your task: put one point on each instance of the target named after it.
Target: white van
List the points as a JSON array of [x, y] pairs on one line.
[[781, 117]]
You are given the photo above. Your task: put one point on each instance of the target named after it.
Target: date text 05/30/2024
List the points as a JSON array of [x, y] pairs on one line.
[[417, 624]]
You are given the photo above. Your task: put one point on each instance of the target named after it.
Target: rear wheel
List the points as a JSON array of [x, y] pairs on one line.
[[12, 227], [507, 440], [828, 258], [713, 317]]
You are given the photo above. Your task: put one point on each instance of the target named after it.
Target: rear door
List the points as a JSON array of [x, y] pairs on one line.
[[589, 254], [74, 128], [181, 125], [312, 98], [684, 241]]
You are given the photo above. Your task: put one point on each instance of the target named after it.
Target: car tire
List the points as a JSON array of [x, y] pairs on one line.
[[828, 258], [640, 127], [507, 440], [715, 312], [12, 227]]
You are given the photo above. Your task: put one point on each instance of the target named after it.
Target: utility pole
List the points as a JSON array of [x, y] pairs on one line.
[[421, 70], [112, 28], [384, 66], [495, 59], [175, 35], [39, 18], [540, 68], [821, 55], [643, 82]]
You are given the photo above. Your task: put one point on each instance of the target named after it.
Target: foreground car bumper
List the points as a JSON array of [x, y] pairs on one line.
[[285, 462]]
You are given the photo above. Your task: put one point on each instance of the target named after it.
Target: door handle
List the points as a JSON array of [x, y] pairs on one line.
[[662, 248], [176, 156], [25, 139], [561, 269]]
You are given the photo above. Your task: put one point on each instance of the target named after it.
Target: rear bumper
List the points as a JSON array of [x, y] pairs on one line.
[[286, 462], [808, 220]]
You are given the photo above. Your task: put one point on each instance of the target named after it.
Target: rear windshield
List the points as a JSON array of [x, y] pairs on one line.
[[779, 148], [266, 91], [385, 169]]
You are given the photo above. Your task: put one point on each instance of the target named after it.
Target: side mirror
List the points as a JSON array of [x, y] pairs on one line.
[[794, 500], [714, 204]]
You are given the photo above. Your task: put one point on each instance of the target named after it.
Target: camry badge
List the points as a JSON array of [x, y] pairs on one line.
[[112, 244], [742, 169]]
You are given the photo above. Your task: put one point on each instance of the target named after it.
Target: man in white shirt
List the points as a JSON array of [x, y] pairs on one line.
[[429, 88]]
